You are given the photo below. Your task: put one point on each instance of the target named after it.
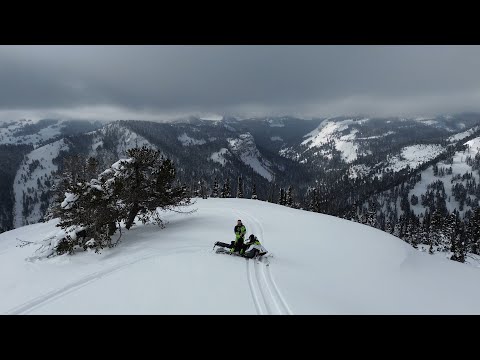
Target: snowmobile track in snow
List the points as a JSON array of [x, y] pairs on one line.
[[39, 301], [254, 289], [273, 301]]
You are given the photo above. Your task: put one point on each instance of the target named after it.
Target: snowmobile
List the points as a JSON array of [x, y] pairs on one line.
[[224, 248]]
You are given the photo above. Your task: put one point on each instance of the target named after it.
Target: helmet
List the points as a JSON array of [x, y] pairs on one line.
[[251, 237]]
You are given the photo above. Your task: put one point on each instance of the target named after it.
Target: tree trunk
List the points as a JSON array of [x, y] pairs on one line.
[[112, 228], [131, 216]]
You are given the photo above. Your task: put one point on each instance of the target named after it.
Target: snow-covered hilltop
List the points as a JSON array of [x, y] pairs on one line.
[[320, 265]]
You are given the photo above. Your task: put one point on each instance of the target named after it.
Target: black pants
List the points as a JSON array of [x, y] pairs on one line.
[[222, 244], [239, 245]]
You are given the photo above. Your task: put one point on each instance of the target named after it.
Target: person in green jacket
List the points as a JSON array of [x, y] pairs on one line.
[[240, 231]]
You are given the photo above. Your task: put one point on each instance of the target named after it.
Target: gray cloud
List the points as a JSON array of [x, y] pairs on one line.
[[164, 81]]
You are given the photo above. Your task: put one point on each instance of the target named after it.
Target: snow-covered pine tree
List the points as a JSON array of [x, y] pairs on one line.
[[73, 169], [281, 199], [436, 229], [227, 192], [371, 218], [474, 230], [289, 199], [135, 186], [89, 207], [458, 247], [146, 182], [196, 189]]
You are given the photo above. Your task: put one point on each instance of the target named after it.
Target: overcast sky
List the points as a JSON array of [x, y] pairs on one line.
[[162, 82]]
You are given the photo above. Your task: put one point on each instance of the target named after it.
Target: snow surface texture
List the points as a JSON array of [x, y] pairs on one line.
[[346, 268], [29, 175], [414, 156]]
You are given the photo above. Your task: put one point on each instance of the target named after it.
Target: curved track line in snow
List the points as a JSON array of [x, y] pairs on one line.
[[267, 300], [33, 304], [251, 283], [279, 294], [274, 301]]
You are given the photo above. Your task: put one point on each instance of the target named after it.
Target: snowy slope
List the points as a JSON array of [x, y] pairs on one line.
[[10, 133], [459, 167], [189, 141], [124, 137], [463, 134], [320, 265], [219, 156], [36, 132], [37, 168], [244, 147], [414, 156], [340, 132]]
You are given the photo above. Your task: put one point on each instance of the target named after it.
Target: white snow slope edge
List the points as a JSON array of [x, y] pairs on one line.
[[320, 265]]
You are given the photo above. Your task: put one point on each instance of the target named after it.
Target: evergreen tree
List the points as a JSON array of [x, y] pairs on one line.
[[414, 200], [135, 186], [474, 231], [226, 189], [254, 192], [215, 190], [240, 187], [289, 199], [281, 199], [147, 184]]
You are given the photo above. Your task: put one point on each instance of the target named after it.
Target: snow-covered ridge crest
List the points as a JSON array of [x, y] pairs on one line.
[[330, 131], [126, 138]]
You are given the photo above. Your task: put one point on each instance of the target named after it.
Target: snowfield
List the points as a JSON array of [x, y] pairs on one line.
[[219, 156], [459, 167], [414, 156], [189, 141], [320, 265], [9, 132], [347, 144], [463, 135]]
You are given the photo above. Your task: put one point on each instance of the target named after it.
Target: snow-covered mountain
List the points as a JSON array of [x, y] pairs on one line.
[[455, 178], [244, 147], [318, 265], [270, 152], [33, 182], [37, 132]]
